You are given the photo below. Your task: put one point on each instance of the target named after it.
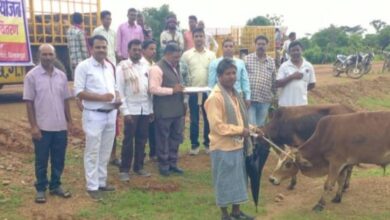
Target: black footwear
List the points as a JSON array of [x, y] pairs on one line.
[[176, 170], [226, 217], [116, 162], [142, 173], [95, 195], [60, 192], [164, 172], [40, 197], [107, 188], [241, 216], [124, 177]]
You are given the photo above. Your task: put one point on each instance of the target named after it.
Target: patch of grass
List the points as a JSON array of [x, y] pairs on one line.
[[74, 158], [30, 159], [185, 146], [307, 215], [371, 172], [328, 215], [140, 205], [10, 201], [374, 103], [312, 101], [378, 216], [194, 200]]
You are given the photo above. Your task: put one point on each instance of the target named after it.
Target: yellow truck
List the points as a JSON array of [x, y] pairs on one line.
[[244, 38], [48, 21]]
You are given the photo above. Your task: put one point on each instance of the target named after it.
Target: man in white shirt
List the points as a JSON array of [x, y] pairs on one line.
[[171, 33], [95, 85], [295, 77], [136, 109], [291, 38], [108, 33]]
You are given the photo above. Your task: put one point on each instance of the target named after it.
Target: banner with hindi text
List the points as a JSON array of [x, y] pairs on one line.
[[14, 41]]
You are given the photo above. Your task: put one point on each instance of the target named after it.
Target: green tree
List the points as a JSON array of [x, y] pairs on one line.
[[371, 41], [276, 20], [314, 54], [323, 46], [378, 24], [305, 42], [259, 21], [330, 37], [355, 42], [155, 18], [359, 30], [384, 37]]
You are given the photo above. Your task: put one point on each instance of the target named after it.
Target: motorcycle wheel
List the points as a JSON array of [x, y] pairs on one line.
[[337, 69], [355, 73], [386, 66], [367, 69]]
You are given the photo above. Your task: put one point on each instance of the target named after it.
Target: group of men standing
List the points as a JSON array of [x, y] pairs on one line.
[[121, 75]]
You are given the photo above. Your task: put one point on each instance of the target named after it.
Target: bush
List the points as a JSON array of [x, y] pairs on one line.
[[314, 54]]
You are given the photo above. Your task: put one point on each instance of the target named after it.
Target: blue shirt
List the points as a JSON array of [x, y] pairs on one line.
[[242, 81]]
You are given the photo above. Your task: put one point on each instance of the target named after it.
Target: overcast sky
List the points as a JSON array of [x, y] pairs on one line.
[[301, 16]]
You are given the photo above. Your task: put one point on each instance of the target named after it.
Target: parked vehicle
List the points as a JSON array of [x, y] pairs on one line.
[[355, 65], [386, 63]]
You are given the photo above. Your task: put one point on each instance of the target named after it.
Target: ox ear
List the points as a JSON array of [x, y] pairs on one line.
[[304, 163]]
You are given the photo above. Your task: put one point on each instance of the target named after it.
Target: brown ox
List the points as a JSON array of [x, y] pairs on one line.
[[292, 126], [339, 142]]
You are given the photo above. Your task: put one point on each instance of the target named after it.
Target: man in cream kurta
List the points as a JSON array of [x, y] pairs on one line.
[[136, 109]]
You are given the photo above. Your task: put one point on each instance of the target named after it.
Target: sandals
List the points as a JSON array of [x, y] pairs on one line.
[[61, 193], [40, 197], [241, 216], [226, 217]]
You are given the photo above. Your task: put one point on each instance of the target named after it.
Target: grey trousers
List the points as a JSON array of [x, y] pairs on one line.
[[169, 135]]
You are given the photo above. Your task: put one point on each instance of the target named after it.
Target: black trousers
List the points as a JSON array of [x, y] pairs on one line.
[[135, 136], [194, 121], [152, 139]]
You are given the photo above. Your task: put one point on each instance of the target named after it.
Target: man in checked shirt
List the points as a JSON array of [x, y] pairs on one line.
[[77, 42], [261, 73]]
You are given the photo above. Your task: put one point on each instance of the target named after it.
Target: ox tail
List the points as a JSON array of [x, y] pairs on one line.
[[384, 170]]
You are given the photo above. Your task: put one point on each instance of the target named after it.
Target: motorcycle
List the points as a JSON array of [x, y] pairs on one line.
[[386, 62], [367, 62], [355, 66]]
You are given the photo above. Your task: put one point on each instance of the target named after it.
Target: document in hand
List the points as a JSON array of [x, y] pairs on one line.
[[196, 89]]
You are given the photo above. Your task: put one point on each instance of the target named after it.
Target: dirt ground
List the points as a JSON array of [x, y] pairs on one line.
[[16, 167]]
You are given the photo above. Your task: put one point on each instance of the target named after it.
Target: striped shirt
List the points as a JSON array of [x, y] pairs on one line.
[[262, 75], [77, 45]]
